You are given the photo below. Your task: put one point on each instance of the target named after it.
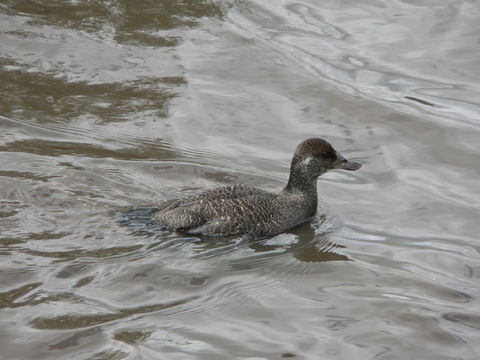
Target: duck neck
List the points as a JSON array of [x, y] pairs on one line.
[[303, 179], [304, 190], [301, 184]]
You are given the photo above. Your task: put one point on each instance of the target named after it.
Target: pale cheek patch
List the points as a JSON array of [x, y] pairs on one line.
[[307, 161]]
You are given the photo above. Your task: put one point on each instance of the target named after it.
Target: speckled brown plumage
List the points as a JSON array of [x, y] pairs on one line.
[[241, 209]]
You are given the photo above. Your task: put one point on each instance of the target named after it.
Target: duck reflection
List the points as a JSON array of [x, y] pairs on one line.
[[311, 245]]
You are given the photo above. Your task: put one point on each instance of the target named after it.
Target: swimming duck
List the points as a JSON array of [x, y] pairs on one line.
[[241, 209]]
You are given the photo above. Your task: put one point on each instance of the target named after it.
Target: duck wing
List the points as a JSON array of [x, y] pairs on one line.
[[224, 211]]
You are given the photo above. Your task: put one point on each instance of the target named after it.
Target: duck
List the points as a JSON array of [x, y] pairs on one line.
[[254, 212]]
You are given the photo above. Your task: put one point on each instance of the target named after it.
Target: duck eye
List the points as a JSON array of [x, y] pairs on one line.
[[329, 155]]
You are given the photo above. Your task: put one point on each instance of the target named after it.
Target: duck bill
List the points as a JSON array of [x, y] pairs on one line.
[[344, 164]]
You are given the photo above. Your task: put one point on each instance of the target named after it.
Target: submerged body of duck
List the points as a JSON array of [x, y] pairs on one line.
[[241, 209]]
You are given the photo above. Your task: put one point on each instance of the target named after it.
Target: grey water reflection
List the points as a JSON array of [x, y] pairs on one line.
[[115, 105], [47, 97]]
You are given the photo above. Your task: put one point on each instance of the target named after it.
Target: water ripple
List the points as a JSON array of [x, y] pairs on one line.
[[65, 322]]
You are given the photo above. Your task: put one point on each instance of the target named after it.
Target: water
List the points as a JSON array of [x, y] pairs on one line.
[[109, 105]]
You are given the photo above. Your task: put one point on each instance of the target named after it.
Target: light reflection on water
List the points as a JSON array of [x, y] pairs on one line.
[[108, 106]]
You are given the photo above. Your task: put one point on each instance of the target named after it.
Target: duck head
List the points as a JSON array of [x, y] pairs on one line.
[[313, 157]]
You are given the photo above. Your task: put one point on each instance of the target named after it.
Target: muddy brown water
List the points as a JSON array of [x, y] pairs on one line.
[[111, 105]]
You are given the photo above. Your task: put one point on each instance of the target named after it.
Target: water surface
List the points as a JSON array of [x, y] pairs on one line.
[[109, 105]]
